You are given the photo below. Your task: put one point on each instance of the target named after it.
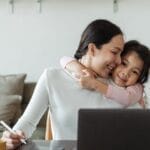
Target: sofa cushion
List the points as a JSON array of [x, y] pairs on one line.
[[12, 84], [11, 91], [9, 108]]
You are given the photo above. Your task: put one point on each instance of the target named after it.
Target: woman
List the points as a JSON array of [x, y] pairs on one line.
[[99, 49]]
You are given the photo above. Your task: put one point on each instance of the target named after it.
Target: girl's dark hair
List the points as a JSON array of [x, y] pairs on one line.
[[143, 53], [98, 32]]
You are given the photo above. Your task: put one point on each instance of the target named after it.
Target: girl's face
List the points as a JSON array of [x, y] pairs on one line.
[[128, 72], [102, 61]]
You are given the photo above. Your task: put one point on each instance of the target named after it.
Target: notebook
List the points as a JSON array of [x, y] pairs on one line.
[[113, 129]]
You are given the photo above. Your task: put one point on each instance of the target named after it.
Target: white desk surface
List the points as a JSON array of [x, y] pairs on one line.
[[49, 145]]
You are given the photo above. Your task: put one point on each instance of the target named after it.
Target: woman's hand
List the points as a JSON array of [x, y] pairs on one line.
[[12, 140]]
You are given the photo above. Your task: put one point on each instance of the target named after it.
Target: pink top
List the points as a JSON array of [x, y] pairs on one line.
[[65, 60], [125, 96]]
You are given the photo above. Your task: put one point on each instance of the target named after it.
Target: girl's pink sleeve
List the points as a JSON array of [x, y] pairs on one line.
[[65, 60], [125, 96]]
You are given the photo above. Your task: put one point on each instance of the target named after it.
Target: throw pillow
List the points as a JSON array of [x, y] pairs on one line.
[[9, 107], [12, 84], [11, 91]]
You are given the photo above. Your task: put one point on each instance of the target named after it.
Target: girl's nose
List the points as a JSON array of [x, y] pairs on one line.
[[124, 75]]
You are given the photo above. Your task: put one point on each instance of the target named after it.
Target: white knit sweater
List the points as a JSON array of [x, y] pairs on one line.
[[58, 91]]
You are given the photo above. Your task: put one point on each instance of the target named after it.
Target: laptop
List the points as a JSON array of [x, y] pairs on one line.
[[113, 129]]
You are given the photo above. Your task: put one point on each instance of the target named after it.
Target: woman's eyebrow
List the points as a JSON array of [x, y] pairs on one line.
[[118, 48], [125, 60]]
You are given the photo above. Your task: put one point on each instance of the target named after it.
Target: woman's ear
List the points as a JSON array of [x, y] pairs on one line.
[[91, 49]]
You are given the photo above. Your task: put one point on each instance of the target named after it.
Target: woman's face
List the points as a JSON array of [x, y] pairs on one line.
[[103, 60], [128, 72]]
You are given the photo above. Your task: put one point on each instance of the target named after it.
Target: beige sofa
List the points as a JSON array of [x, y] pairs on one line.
[[15, 95]]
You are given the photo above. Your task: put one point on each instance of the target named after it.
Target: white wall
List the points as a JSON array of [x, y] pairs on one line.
[[31, 41]]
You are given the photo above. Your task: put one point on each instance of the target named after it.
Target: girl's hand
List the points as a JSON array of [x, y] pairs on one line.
[[75, 67], [12, 140], [87, 79], [142, 103], [85, 73], [89, 72]]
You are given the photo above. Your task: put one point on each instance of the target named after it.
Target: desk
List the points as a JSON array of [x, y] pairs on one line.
[[49, 145]]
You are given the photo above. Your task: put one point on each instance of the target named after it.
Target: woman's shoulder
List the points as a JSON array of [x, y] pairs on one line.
[[52, 71]]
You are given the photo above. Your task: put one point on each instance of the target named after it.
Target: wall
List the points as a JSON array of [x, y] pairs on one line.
[[31, 41]]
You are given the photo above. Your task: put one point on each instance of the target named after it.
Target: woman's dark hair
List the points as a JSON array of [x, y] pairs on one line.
[[144, 54], [98, 32]]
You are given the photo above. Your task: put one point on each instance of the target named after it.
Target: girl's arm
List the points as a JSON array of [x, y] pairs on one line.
[[72, 65], [126, 96], [89, 82]]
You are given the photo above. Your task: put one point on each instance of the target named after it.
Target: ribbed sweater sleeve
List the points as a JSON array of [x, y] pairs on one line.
[[35, 109], [65, 60], [125, 96]]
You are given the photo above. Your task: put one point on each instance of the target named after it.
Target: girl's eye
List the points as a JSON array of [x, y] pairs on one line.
[[135, 72]]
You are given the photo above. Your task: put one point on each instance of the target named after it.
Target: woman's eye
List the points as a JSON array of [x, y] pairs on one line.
[[123, 63], [114, 52]]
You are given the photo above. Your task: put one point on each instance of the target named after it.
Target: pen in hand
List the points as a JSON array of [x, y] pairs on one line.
[[12, 131]]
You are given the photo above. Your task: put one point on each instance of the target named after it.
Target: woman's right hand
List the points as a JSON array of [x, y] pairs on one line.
[[12, 140]]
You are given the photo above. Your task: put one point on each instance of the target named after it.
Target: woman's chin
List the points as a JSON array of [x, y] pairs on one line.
[[104, 75]]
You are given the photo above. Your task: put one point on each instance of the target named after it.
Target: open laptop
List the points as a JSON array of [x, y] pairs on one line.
[[113, 129]]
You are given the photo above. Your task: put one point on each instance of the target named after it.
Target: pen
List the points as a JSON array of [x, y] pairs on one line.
[[11, 130]]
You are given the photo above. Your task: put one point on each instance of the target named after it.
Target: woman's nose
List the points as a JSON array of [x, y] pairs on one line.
[[118, 60]]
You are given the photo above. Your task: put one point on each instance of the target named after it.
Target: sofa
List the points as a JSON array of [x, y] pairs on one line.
[[15, 95]]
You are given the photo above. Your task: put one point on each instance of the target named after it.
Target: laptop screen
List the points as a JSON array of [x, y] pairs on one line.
[[113, 129]]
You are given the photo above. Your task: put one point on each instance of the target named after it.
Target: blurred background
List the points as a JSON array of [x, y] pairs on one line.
[[35, 34]]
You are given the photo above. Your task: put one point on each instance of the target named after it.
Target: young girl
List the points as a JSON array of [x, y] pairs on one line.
[[128, 76]]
